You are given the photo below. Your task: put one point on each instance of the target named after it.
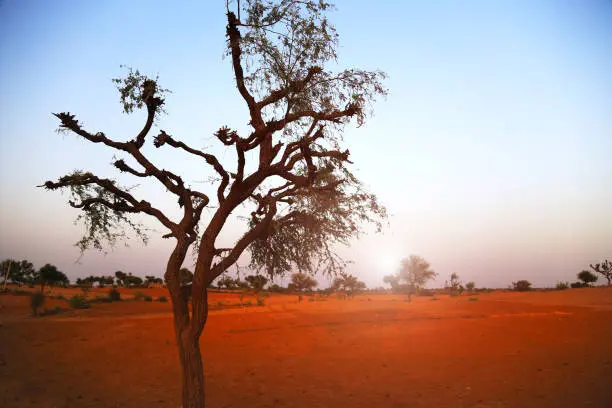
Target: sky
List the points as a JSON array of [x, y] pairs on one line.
[[491, 152]]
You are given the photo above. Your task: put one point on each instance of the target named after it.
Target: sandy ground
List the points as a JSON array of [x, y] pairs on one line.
[[549, 349]]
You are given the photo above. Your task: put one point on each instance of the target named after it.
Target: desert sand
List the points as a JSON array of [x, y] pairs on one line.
[[538, 349]]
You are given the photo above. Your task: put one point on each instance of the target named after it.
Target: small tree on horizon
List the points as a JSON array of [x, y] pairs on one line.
[[605, 269], [414, 272], [257, 282], [301, 282], [587, 277], [521, 285], [50, 275], [347, 283], [470, 286]]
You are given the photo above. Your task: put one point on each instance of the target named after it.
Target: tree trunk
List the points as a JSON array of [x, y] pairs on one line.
[[192, 371]]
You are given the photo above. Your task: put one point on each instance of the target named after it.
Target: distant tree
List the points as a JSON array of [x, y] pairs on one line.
[[150, 280], [413, 275], [470, 286], [562, 285], [276, 288], [521, 286], [227, 282], [394, 282], [587, 277], [348, 284], [257, 282], [301, 282], [132, 280], [120, 276], [576, 285], [19, 272], [106, 281], [50, 275], [604, 269], [455, 284]]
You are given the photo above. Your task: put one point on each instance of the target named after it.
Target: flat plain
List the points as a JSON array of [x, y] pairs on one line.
[[500, 349]]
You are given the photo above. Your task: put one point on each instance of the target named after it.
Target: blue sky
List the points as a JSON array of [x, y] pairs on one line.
[[492, 151]]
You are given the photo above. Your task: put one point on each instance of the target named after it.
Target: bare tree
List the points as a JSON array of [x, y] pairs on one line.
[[303, 197], [605, 269]]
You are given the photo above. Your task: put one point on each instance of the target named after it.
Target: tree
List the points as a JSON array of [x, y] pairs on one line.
[[227, 282], [301, 282], [414, 272], [470, 286], [393, 281], [298, 185], [18, 272], [50, 275], [587, 277], [120, 276], [455, 284], [257, 282], [347, 283], [605, 269], [521, 286]]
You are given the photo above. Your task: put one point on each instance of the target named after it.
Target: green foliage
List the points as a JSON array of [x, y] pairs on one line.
[[37, 300], [227, 282], [50, 275], [521, 286], [20, 272], [137, 89], [562, 285], [78, 302], [470, 286], [257, 282], [162, 299], [301, 282], [114, 294], [587, 277], [348, 284]]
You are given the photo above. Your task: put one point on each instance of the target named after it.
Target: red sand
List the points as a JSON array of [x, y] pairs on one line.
[[549, 349]]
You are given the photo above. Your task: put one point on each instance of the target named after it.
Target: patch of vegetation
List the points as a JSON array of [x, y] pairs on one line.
[[261, 302], [102, 299], [147, 298], [79, 302], [114, 294], [434, 298], [521, 286], [37, 300], [139, 295], [473, 299], [249, 303], [162, 299], [562, 285], [576, 285]]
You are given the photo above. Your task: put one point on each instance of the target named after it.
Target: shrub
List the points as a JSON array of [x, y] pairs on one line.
[[147, 298], [521, 286], [249, 303], [79, 302], [114, 294], [473, 299], [576, 285], [261, 302], [162, 299], [102, 299], [139, 295], [562, 285], [37, 299]]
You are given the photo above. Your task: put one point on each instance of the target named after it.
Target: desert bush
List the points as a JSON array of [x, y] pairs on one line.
[[101, 299], [562, 285], [434, 299], [139, 295], [473, 299], [261, 302], [114, 294], [576, 285], [37, 299], [264, 294], [521, 286], [249, 303], [587, 277], [147, 298], [79, 302], [162, 299]]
